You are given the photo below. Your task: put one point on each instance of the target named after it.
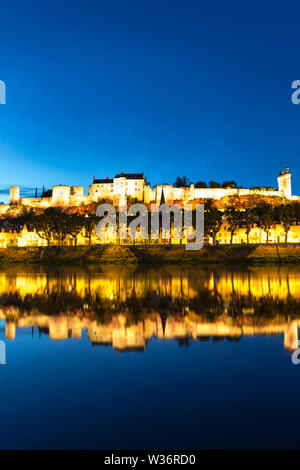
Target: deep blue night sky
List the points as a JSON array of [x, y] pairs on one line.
[[167, 88]]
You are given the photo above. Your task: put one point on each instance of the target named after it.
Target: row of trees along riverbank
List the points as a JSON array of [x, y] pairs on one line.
[[55, 224]]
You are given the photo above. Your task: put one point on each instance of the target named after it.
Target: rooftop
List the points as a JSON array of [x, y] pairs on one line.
[[128, 176], [101, 181]]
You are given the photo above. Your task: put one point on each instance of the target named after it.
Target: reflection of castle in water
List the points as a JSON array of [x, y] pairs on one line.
[[181, 303], [134, 337]]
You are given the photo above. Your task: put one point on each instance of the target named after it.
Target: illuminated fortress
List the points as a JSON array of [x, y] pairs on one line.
[[134, 185]]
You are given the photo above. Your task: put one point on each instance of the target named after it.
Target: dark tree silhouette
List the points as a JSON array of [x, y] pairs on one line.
[[233, 218], [214, 184], [201, 184], [182, 182]]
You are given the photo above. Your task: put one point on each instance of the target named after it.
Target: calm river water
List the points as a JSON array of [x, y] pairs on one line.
[[173, 357]]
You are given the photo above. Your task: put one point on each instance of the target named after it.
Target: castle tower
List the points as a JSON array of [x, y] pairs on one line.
[[61, 195], [285, 183], [14, 193]]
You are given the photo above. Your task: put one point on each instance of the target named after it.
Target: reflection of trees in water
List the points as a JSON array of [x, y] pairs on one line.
[[209, 304], [186, 341], [267, 305]]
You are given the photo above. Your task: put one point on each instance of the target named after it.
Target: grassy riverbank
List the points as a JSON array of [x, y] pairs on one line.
[[154, 254]]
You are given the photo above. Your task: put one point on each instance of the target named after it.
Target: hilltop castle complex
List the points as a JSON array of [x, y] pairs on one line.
[[134, 185]]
